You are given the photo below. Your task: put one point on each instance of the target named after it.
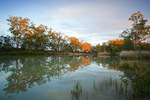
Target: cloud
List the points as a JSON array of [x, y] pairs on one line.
[[4, 26], [4, 29], [92, 21]]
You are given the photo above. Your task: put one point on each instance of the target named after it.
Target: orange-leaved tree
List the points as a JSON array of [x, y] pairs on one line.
[[115, 45], [35, 39], [75, 44], [86, 47], [18, 27], [116, 42]]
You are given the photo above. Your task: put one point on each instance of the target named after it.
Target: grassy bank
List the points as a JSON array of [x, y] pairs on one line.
[[135, 54]]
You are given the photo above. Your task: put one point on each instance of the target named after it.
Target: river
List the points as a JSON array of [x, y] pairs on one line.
[[73, 78]]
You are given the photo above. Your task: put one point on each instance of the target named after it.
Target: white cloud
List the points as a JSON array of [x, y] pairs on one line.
[[4, 26], [4, 29], [88, 20]]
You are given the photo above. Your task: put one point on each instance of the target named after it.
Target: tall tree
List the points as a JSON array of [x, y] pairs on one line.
[[36, 38], [57, 40], [86, 47], [18, 27], [128, 44], [139, 30], [74, 43]]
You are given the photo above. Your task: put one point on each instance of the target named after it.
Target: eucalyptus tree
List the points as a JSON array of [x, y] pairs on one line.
[[139, 30]]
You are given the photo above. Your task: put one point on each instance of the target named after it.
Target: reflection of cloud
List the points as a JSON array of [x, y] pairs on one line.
[[2, 78]]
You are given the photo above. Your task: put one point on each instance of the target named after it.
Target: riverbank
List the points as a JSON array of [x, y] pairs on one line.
[[44, 53], [135, 55]]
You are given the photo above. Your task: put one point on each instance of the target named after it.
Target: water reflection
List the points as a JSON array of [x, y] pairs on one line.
[[139, 74], [77, 90], [28, 71], [105, 82], [117, 89]]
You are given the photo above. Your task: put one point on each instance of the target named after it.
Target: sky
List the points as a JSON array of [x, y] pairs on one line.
[[93, 21]]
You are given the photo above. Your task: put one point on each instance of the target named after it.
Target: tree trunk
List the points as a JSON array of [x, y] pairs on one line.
[[74, 50], [139, 50], [17, 43]]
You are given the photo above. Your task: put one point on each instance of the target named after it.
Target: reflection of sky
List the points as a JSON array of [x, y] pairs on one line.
[[94, 21], [3, 75], [60, 87]]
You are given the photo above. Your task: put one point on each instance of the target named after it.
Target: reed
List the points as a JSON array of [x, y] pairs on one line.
[[135, 54]]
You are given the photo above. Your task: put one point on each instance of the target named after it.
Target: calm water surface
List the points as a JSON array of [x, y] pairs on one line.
[[73, 78]]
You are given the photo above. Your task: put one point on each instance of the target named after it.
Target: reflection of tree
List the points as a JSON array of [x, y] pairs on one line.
[[76, 62], [23, 75], [106, 62], [135, 71], [26, 72], [85, 61], [138, 73], [114, 68]]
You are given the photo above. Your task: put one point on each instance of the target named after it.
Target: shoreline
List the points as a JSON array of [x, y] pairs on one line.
[[15, 53]]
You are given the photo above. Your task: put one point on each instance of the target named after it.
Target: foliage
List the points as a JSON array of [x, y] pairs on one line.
[[36, 39], [98, 48], [86, 47], [128, 44], [6, 43], [18, 27], [57, 40], [75, 44], [139, 31], [29, 37], [115, 46], [101, 48]]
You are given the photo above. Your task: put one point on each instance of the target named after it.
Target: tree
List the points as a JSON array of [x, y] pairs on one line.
[[57, 40], [98, 48], [6, 42], [36, 38], [103, 47], [18, 27], [114, 46], [128, 44], [74, 43], [139, 30], [86, 47]]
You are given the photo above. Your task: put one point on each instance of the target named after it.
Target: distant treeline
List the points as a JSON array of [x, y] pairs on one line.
[[26, 36]]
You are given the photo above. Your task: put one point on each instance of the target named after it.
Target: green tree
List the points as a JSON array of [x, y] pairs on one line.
[[128, 44], [98, 48], [104, 46], [6, 42]]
